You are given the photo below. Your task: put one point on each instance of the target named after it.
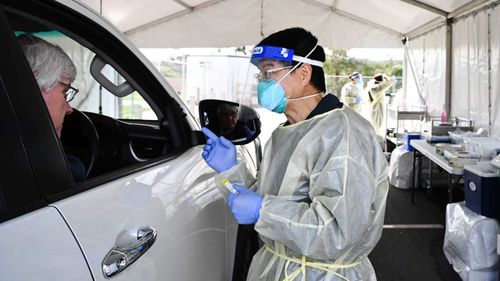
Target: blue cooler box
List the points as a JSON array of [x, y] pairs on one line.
[[482, 189], [407, 137]]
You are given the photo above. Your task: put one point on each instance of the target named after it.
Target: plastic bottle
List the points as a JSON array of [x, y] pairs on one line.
[[229, 186], [444, 116]]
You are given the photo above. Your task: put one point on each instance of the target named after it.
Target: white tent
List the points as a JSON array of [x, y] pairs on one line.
[[223, 23], [453, 46]]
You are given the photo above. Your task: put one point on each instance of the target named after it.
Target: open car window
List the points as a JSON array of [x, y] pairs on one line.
[[124, 118], [93, 97]]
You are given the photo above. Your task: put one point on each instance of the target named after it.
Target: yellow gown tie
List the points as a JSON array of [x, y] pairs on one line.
[[304, 263]]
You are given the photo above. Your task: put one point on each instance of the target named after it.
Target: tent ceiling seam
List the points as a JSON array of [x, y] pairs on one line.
[[170, 17], [475, 10], [182, 3], [426, 7], [262, 18], [426, 28], [334, 5], [463, 12], [353, 17], [470, 7], [367, 22]]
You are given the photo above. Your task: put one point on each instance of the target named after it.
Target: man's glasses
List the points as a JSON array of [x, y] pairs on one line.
[[70, 93], [266, 75]]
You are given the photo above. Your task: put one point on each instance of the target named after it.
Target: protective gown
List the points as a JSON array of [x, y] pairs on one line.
[[377, 91], [325, 184], [349, 95]]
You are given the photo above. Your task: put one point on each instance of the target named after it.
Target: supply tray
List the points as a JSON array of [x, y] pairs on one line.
[[434, 127]]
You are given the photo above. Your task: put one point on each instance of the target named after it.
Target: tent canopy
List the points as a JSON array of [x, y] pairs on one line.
[[229, 23], [452, 55]]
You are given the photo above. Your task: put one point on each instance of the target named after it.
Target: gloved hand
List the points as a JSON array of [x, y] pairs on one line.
[[219, 153], [357, 99], [245, 206]]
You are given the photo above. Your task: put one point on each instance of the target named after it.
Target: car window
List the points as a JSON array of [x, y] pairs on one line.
[[92, 97], [18, 188], [119, 127]]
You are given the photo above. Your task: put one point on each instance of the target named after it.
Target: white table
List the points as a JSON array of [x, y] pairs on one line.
[[429, 151], [424, 148]]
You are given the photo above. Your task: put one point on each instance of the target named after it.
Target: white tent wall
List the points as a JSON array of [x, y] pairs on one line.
[[470, 82], [428, 57], [495, 71], [414, 58]]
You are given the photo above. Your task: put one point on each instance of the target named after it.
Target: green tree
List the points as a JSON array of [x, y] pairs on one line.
[[338, 63], [170, 69]]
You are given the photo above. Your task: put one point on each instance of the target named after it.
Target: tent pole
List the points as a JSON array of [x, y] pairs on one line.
[[489, 75], [448, 75]]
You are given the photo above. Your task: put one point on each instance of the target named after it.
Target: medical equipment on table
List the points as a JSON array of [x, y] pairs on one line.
[[459, 159], [437, 131], [442, 147], [486, 147], [458, 136]]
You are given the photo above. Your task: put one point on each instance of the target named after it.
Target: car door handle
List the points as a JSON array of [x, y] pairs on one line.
[[131, 244]]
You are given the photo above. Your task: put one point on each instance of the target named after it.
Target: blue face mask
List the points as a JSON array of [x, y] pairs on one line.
[[271, 95]]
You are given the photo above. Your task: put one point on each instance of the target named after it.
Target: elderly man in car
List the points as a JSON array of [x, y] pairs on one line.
[[54, 72]]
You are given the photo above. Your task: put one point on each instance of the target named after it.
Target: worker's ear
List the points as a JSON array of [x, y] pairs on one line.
[[305, 72]]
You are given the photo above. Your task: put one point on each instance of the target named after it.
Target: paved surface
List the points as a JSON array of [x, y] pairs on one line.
[[412, 247]]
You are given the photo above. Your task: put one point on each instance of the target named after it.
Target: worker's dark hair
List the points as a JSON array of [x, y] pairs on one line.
[[302, 42]]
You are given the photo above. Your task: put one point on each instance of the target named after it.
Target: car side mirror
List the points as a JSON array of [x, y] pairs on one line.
[[238, 123]]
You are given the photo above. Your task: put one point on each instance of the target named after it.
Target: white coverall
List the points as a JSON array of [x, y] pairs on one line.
[[349, 95], [377, 91], [325, 184]]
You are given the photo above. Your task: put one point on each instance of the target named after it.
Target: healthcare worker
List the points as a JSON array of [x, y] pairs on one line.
[[376, 89], [352, 92], [319, 201]]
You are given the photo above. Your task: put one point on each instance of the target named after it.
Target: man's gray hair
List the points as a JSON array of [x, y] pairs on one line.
[[47, 61]]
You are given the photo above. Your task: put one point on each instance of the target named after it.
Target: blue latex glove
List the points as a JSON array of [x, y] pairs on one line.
[[245, 205], [219, 153], [358, 99]]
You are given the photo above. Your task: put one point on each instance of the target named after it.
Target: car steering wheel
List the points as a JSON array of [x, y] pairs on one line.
[[80, 139]]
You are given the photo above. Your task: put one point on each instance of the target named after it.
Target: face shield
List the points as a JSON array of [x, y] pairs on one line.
[[358, 78], [269, 66]]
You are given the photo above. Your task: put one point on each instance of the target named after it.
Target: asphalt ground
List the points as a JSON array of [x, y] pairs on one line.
[[411, 247]]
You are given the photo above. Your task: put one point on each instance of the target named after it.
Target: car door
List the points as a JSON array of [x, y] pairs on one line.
[[36, 242], [157, 219]]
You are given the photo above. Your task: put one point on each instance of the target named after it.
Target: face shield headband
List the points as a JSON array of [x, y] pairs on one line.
[[282, 54]]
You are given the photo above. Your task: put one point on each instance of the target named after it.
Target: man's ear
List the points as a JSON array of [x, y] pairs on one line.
[[305, 71]]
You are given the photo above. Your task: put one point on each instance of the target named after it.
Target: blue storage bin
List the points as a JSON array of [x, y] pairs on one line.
[[407, 137], [482, 189]]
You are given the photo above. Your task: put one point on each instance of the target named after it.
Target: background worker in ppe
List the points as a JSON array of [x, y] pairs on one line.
[[352, 92], [376, 89], [318, 203]]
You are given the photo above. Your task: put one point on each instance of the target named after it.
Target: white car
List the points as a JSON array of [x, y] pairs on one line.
[[148, 209]]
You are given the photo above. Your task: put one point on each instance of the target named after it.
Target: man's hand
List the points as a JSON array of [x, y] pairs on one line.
[[219, 153]]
